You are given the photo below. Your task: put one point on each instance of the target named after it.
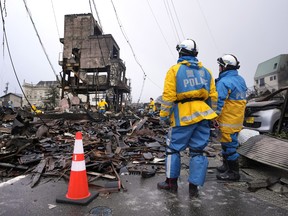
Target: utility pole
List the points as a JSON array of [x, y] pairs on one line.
[[6, 88]]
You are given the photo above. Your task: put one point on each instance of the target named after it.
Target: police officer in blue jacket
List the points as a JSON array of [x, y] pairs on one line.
[[231, 88]]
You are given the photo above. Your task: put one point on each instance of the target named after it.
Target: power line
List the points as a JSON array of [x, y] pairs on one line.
[[177, 19], [4, 8], [43, 48], [170, 15], [55, 21], [127, 40], [160, 29], [102, 56], [12, 63], [55, 18], [153, 82], [3, 39], [107, 45], [134, 55], [142, 88], [170, 21], [8, 49], [97, 14], [206, 22]]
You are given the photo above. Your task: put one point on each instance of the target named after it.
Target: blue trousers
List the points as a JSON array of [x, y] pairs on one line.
[[195, 137], [102, 111], [229, 143]]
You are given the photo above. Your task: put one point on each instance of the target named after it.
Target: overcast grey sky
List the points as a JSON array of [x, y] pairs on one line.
[[253, 30]]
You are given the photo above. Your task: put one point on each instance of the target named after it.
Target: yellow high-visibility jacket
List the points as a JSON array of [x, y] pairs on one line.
[[152, 105], [102, 104], [189, 94], [35, 110]]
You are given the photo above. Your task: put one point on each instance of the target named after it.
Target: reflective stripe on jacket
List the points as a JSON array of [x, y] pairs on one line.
[[188, 79], [231, 89]]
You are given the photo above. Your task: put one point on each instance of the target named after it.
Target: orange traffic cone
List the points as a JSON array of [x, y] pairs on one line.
[[78, 192]]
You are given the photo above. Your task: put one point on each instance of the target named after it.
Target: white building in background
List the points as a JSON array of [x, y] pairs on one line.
[[15, 100], [272, 74], [38, 93]]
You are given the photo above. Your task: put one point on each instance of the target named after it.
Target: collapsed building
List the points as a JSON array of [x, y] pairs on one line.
[[91, 63]]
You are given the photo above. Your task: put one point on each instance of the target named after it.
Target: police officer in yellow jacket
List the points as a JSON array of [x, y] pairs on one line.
[[231, 88], [189, 101]]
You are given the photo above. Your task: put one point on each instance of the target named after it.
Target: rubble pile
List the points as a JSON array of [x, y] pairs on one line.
[[114, 144]]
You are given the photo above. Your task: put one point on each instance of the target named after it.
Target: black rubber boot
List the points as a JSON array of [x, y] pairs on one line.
[[169, 184], [193, 190], [224, 167], [232, 174]]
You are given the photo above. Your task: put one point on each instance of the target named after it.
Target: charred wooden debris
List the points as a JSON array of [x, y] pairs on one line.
[[114, 144]]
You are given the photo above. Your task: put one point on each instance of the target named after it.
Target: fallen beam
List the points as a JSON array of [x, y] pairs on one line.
[[8, 165], [39, 169], [102, 175]]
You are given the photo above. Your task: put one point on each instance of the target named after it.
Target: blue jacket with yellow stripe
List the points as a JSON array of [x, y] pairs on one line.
[[231, 88], [189, 94]]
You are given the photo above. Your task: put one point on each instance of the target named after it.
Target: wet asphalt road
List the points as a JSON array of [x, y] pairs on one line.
[[142, 198]]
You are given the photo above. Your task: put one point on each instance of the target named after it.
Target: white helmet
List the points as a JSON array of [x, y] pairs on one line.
[[228, 62], [187, 47]]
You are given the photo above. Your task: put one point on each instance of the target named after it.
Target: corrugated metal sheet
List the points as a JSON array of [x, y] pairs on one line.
[[267, 150]]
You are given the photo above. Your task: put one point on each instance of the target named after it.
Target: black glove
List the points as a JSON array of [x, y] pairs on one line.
[[215, 123]]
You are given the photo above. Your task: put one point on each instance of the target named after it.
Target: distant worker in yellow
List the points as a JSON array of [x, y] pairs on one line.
[[34, 110], [151, 107], [102, 106]]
